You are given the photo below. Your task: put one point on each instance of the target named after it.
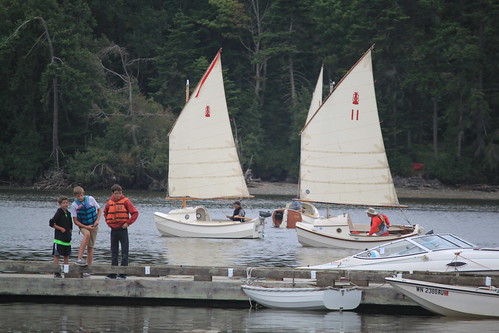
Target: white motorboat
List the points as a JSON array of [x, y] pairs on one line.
[[304, 298], [450, 300], [433, 253], [343, 162], [204, 164]]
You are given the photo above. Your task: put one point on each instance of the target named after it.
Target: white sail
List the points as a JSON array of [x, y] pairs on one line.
[[343, 157], [203, 161], [316, 97]]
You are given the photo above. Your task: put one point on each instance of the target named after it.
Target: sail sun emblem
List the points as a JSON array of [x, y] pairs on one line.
[[355, 101], [207, 111]]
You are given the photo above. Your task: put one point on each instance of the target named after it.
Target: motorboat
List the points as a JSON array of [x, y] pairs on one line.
[[204, 165], [433, 253], [450, 300], [304, 298]]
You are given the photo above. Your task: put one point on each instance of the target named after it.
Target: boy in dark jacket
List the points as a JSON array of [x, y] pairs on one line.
[[63, 226]]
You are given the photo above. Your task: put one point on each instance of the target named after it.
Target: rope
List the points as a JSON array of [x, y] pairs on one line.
[[458, 254], [405, 217]]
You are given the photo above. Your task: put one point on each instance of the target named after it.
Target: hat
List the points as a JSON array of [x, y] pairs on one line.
[[371, 211], [237, 203]]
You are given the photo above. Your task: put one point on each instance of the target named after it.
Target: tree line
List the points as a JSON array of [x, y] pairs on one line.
[[89, 89]]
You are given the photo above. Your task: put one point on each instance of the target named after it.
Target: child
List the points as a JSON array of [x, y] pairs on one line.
[[119, 214], [86, 214], [63, 226]]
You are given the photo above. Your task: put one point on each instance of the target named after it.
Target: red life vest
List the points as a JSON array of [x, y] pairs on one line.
[[117, 214]]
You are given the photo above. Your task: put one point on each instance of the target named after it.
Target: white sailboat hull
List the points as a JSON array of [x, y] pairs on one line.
[[195, 222], [336, 232], [305, 298], [449, 300]]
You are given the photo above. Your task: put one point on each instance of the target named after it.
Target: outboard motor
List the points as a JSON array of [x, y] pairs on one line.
[[265, 214]]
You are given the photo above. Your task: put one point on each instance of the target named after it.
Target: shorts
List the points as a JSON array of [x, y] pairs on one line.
[[93, 235], [61, 250]]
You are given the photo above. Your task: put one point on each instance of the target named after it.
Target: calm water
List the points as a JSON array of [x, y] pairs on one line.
[[25, 235]]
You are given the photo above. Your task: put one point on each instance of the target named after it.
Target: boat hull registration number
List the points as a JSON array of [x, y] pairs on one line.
[[433, 291]]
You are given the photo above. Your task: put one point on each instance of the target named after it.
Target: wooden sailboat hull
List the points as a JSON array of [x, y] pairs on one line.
[[287, 218], [195, 222], [305, 298], [337, 233], [450, 300]]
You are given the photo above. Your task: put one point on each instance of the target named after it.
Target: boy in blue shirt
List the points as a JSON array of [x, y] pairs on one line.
[[86, 214]]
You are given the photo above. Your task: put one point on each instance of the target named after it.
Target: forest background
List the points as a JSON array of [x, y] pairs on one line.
[[89, 89]]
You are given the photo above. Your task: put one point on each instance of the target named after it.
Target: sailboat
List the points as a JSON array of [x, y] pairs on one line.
[[287, 217], [204, 164], [343, 162]]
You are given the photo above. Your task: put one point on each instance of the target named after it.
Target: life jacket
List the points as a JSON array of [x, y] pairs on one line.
[[117, 213], [86, 213], [383, 226]]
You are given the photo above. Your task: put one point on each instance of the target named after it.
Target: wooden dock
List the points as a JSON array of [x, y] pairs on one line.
[[194, 285]]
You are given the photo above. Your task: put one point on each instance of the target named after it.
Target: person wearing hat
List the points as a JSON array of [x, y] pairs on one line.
[[379, 223], [238, 214], [296, 205]]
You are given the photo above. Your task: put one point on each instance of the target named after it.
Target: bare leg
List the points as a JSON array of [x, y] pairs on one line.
[[56, 260], [90, 255], [84, 242]]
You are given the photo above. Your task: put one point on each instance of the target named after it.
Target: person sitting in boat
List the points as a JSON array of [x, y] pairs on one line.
[[296, 205], [379, 223], [238, 214]]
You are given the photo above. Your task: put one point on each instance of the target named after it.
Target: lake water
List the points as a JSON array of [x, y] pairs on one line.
[[25, 235]]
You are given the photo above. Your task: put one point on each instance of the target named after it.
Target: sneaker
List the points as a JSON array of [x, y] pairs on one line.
[[57, 275], [111, 276], [122, 277], [81, 262], [87, 275]]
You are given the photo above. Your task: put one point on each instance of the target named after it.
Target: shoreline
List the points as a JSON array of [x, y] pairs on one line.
[[477, 192], [403, 192]]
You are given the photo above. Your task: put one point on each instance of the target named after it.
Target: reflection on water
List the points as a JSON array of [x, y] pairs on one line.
[[26, 236], [29, 317]]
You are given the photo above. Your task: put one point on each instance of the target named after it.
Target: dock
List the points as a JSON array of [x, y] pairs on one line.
[[198, 285]]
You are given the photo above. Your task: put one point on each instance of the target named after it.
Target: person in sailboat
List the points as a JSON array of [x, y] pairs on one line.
[[238, 214], [379, 223], [296, 205]]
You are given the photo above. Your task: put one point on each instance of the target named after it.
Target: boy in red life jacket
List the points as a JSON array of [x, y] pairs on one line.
[[379, 223], [119, 213]]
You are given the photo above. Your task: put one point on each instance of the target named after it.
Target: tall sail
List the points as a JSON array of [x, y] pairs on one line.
[[343, 157], [203, 160], [316, 97]]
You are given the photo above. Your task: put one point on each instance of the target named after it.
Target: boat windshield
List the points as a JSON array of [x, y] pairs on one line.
[[415, 245]]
